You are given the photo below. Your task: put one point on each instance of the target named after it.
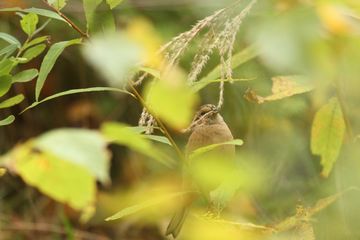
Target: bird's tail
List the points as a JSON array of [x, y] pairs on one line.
[[177, 221]]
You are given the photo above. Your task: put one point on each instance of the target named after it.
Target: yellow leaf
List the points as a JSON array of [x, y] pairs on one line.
[[173, 101], [283, 86], [327, 134], [333, 19], [142, 32]]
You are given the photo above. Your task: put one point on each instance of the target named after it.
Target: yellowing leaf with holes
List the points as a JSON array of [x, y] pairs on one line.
[[61, 180], [283, 87], [327, 134], [172, 101]]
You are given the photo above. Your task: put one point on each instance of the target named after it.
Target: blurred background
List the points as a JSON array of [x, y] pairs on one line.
[[316, 39]]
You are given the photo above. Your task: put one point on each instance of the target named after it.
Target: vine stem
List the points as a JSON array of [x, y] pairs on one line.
[[71, 23], [161, 124]]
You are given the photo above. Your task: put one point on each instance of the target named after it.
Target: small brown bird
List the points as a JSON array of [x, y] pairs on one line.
[[207, 127]]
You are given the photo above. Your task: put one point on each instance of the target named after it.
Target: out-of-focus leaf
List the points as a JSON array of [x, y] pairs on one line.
[[10, 119], [35, 41], [153, 72], [141, 206], [12, 101], [114, 56], [122, 134], [29, 22], [33, 52], [172, 101], [38, 11], [75, 91], [85, 148], [327, 134], [25, 76], [2, 172], [199, 151], [5, 84], [10, 39], [49, 61], [8, 50], [60, 179], [136, 30], [283, 87], [114, 3], [58, 4], [332, 18]]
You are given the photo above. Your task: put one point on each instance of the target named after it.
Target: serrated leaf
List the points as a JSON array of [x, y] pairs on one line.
[[202, 150], [49, 61], [327, 134], [114, 3], [58, 4], [283, 87], [33, 52], [60, 179], [36, 41], [85, 148], [5, 84], [146, 204], [25, 76], [38, 11], [28, 23], [10, 119], [75, 91], [123, 134], [12, 101], [10, 39]]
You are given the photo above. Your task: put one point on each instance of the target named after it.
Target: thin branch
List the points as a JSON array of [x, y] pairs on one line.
[[71, 23], [161, 125], [49, 228]]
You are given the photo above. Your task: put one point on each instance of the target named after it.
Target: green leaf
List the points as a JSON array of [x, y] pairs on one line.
[[75, 91], [58, 4], [12, 101], [33, 52], [38, 11], [28, 23], [327, 134], [6, 66], [114, 3], [114, 56], [199, 151], [25, 76], [36, 41], [60, 179], [49, 61], [123, 134], [85, 148], [10, 119], [173, 103], [10, 39], [5, 84], [153, 72], [98, 20], [237, 60], [146, 204], [156, 138], [8, 50]]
